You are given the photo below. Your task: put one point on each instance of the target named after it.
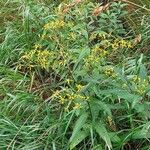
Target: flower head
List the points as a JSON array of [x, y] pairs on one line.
[[77, 106]]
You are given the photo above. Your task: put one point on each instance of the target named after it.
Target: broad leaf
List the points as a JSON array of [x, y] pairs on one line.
[[78, 138], [78, 125], [101, 130]]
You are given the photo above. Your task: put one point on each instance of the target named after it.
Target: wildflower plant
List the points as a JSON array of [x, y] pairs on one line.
[[84, 87], [76, 45]]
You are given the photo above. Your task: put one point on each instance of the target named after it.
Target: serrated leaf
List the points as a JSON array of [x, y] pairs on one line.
[[82, 54], [97, 147], [114, 137], [142, 133], [104, 106], [78, 138], [78, 125], [101, 130]]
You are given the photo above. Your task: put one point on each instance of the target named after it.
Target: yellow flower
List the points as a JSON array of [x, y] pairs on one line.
[[110, 72], [25, 56], [28, 55], [96, 49], [68, 81], [98, 53], [135, 78], [31, 53], [54, 25], [123, 44], [110, 121], [73, 36], [56, 93], [79, 87], [72, 96], [43, 63], [115, 45], [92, 36], [140, 91], [62, 100], [77, 106], [46, 26], [43, 36], [103, 36], [30, 67], [43, 58], [37, 46], [140, 84], [130, 45], [82, 97]]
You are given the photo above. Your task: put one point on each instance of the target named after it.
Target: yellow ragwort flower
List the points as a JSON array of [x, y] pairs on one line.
[[79, 87], [54, 25], [77, 106], [62, 100], [37, 46], [68, 81]]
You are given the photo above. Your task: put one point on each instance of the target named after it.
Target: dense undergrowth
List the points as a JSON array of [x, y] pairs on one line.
[[74, 75]]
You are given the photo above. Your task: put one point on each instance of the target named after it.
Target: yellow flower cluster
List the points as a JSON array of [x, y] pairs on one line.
[[111, 123], [109, 71], [97, 51], [69, 81], [74, 96], [72, 36], [37, 46], [56, 93], [61, 60], [105, 40], [28, 55], [77, 106], [140, 85], [101, 36], [71, 100], [121, 43], [96, 55], [54, 25], [79, 87], [91, 59], [43, 58], [38, 57]]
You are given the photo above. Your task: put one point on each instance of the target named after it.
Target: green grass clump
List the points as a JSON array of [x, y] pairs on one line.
[[74, 75]]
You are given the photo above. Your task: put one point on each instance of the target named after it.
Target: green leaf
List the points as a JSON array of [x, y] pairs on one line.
[[97, 147], [115, 138], [136, 101], [101, 130], [78, 125], [132, 98], [99, 104], [142, 133], [78, 138], [143, 72], [82, 54]]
